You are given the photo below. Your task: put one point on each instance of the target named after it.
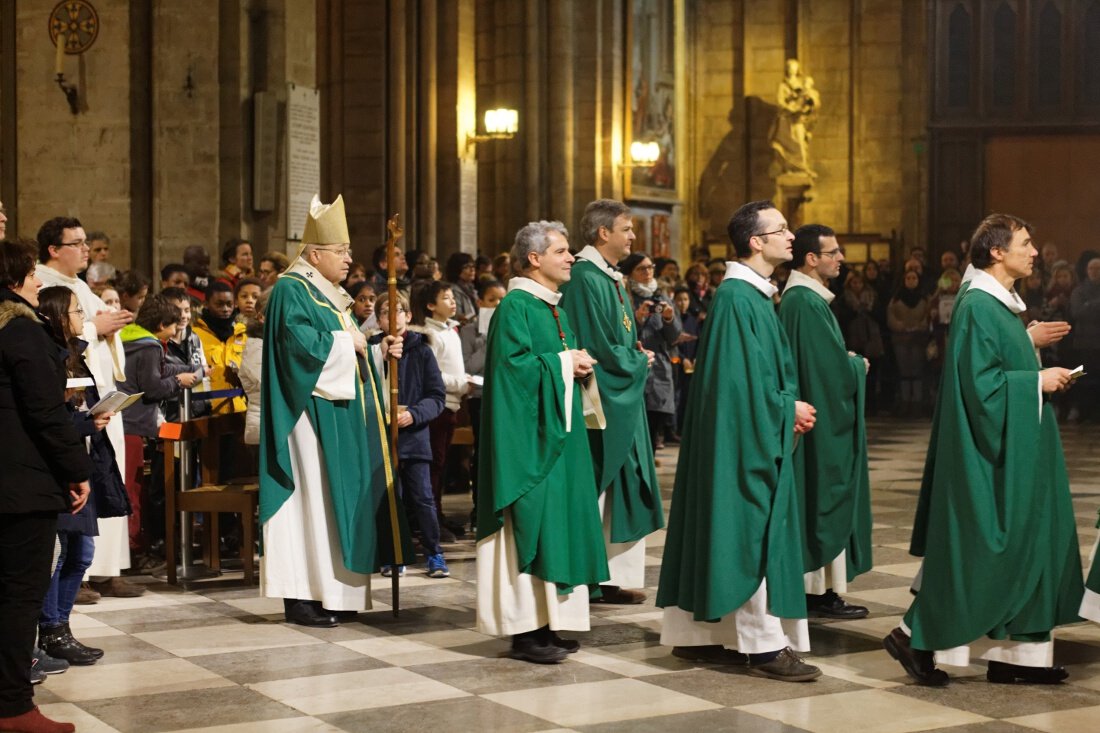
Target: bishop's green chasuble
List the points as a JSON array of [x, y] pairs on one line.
[[623, 455], [530, 464], [830, 461], [299, 322], [734, 516], [994, 522]]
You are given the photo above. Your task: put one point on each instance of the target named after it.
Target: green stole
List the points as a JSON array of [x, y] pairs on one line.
[[530, 464], [830, 461], [734, 516], [298, 327], [994, 520], [622, 454]]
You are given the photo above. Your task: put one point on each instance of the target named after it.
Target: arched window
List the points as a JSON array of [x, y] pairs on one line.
[[1048, 56], [1088, 57], [958, 57], [1004, 56]]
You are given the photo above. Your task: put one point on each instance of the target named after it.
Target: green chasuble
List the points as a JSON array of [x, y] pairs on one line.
[[994, 522], [830, 461], [298, 335], [623, 453], [734, 516], [530, 463]]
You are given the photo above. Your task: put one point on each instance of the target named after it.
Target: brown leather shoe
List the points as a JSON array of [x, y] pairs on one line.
[[118, 588], [918, 663], [86, 596], [620, 596], [711, 654], [787, 667]]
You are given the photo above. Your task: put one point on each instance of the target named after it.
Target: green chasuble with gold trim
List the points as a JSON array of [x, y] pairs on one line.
[[994, 521], [734, 515], [830, 461], [532, 465], [622, 453], [298, 325]]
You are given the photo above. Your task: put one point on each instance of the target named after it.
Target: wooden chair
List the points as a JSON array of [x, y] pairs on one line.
[[237, 495]]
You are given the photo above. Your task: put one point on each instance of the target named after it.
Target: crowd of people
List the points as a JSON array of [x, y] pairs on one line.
[[592, 363]]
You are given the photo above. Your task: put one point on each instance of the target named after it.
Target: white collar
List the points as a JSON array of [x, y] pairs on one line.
[[438, 325], [985, 282], [591, 254], [971, 271], [45, 272], [538, 290], [335, 294], [798, 279], [741, 271]]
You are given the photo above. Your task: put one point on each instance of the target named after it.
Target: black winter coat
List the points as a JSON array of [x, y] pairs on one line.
[[42, 452], [420, 387]]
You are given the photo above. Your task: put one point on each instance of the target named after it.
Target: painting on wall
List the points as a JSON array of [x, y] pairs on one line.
[[656, 230], [661, 235], [651, 113]]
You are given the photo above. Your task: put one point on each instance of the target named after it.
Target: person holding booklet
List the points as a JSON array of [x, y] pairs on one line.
[[994, 522]]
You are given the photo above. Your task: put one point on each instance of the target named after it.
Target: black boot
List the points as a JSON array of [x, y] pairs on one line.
[[308, 613], [59, 643]]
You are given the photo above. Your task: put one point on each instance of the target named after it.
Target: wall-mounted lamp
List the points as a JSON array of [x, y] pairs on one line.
[[643, 154], [500, 124], [74, 26]]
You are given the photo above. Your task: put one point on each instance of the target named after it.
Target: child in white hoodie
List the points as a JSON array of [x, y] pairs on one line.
[[433, 305]]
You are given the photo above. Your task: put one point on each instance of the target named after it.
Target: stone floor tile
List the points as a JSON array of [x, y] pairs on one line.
[[589, 703]]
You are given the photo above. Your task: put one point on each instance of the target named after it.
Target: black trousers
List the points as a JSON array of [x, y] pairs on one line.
[[26, 549]]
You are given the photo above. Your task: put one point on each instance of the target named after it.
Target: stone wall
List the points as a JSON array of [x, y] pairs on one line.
[[74, 165], [398, 97]]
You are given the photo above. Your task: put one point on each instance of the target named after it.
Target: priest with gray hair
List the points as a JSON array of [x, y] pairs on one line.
[[540, 542]]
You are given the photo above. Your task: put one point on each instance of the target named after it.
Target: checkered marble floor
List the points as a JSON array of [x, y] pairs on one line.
[[220, 659]]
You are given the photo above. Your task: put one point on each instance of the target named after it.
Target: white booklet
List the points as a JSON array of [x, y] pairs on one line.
[[115, 402]]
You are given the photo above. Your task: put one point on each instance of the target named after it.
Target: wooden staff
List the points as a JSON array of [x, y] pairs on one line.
[[395, 232]]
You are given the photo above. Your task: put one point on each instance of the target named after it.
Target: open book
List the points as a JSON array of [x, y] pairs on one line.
[[115, 402]]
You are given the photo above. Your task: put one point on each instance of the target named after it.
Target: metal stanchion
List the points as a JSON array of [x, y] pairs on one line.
[[188, 569]]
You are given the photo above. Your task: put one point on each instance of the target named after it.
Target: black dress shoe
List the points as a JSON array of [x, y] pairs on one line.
[[1010, 674], [341, 615], [831, 605], [918, 663], [537, 647], [308, 613], [569, 645], [711, 654]]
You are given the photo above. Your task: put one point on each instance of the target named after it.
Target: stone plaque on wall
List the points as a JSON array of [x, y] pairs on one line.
[[303, 155]]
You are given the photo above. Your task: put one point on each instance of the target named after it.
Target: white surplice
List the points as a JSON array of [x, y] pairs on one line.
[[302, 554], [750, 629], [106, 360]]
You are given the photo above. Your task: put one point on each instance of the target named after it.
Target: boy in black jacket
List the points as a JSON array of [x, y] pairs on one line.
[[422, 398]]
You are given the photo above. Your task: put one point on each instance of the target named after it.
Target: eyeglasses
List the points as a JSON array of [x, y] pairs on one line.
[[81, 244], [832, 253], [644, 268], [78, 310], [781, 230], [340, 252]]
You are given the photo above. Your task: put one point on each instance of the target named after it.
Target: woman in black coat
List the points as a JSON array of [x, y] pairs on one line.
[[60, 309], [44, 469]]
